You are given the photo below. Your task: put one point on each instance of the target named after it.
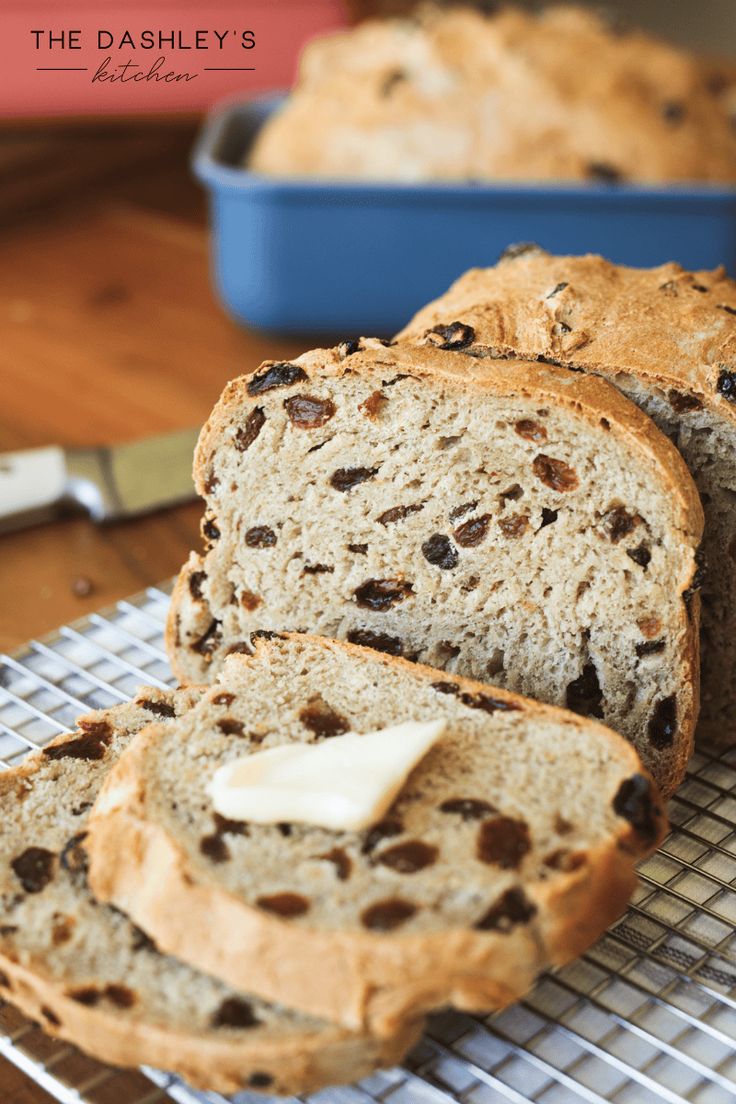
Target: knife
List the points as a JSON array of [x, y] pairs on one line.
[[110, 483]]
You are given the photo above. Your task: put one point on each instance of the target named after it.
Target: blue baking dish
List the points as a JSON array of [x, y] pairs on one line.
[[343, 258]]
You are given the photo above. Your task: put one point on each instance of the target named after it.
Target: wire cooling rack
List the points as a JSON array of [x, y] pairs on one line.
[[647, 1015]]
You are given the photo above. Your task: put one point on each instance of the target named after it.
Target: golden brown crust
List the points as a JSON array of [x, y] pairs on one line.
[[667, 326], [223, 1063], [376, 981]]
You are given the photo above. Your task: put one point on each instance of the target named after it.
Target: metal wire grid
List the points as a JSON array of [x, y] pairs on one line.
[[647, 1015]]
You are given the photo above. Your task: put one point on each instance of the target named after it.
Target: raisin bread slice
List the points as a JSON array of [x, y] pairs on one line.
[[524, 526], [88, 975], [455, 95], [667, 339], [511, 846]]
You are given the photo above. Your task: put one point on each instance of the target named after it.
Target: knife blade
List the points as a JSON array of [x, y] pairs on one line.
[[109, 483]]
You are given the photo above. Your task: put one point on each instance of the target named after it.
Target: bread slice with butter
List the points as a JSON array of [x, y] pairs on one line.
[[513, 522], [510, 847], [90, 976]]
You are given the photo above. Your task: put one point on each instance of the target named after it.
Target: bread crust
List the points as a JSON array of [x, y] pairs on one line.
[[594, 399], [375, 981]]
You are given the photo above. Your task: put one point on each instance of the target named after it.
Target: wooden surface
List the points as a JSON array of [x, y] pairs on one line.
[[110, 331]]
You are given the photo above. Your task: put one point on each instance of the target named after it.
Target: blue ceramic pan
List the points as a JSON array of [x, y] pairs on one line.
[[334, 258]]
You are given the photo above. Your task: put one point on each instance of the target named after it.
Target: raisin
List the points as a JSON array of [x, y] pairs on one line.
[[555, 473], [309, 412], [682, 403], [358, 549], [345, 478], [489, 704], [224, 826], [160, 709], [87, 995], [469, 808], [223, 698], [409, 857], [142, 942], [472, 532], [195, 583], [518, 249], [228, 726], [584, 694], [209, 641], [503, 841], [398, 513], [663, 723], [214, 848], [277, 375], [347, 348], [604, 172], [120, 995], [388, 914], [633, 802], [726, 308], [264, 634], [260, 1080], [90, 745], [284, 904], [512, 908], [235, 1012], [511, 494], [210, 530], [727, 385], [249, 600], [382, 594], [650, 647], [382, 642], [50, 1016], [557, 289], [514, 526], [549, 517], [340, 860], [323, 720], [531, 431], [640, 555], [465, 508], [440, 552], [618, 523], [673, 111], [457, 335], [260, 536], [391, 826], [212, 484], [318, 569], [371, 406], [247, 434], [446, 687]]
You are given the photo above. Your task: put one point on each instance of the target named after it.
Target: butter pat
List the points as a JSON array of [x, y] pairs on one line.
[[344, 783]]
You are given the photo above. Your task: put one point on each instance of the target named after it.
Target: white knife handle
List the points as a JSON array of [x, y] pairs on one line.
[[31, 482]]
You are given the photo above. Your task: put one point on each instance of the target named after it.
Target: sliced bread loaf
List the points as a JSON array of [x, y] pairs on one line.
[[88, 975], [511, 846], [667, 339], [524, 526]]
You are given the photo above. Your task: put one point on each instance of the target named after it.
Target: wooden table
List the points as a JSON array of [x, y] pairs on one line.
[[109, 331]]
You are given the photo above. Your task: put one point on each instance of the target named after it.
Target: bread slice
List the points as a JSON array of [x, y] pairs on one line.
[[667, 339], [453, 95], [520, 525], [88, 975], [510, 848]]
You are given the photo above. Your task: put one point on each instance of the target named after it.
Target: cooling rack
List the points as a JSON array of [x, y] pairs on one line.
[[647, 1015]]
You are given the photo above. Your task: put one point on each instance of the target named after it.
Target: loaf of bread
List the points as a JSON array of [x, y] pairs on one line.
[[511, 846], [667, 339], [88, 975], [457, 95], [525, 526]]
